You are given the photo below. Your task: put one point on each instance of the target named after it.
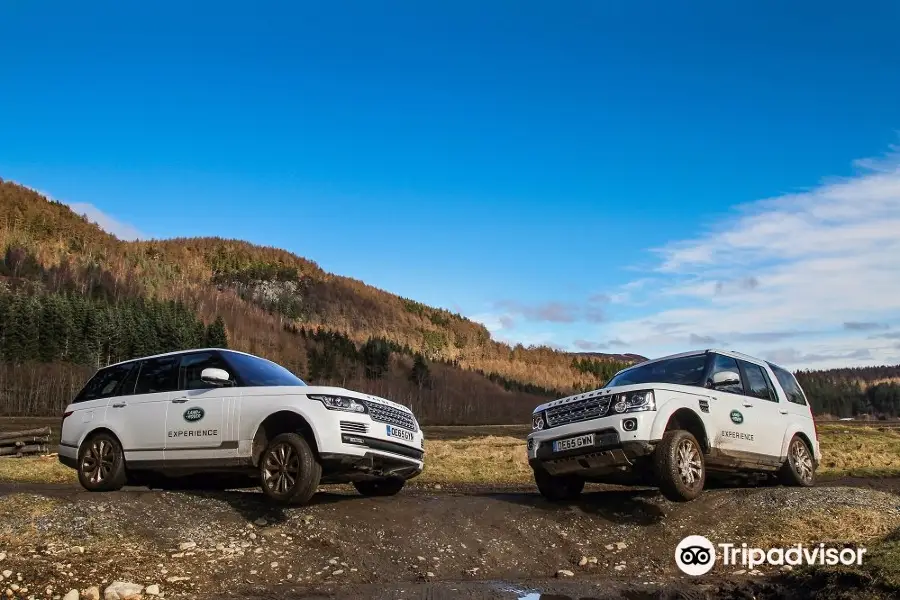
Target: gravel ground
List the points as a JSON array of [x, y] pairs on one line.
[[424, 542]]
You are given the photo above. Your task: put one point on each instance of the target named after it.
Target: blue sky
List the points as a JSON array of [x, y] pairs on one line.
[[567, 173]]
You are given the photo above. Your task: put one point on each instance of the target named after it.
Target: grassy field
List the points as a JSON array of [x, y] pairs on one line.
[[496, 454]]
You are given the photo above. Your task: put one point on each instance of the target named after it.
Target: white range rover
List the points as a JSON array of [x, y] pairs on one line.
[[185, 416], [666, 422]]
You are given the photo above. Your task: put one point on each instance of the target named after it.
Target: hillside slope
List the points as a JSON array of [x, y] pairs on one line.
[[325, 327]]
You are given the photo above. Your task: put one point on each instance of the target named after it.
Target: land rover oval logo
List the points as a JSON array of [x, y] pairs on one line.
[[737, 417], [196, 413]]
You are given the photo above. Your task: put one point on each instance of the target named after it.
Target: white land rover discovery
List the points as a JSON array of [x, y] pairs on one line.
[[187, 415], [666, 422]]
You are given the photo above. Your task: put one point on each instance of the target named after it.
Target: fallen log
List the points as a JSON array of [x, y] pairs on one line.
[[10, 435], [24, 450], [25, 440]]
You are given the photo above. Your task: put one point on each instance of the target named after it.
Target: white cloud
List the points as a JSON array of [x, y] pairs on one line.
[[121, 230], [818, 267]]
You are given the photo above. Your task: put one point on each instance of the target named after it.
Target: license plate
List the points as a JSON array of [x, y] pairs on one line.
[[573, 443], [402, 434]]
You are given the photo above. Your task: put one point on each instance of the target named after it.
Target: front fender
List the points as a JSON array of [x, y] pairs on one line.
[[665, 411], [303, 412]]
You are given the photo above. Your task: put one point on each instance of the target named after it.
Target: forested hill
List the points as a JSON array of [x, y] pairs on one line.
[[73, 297], [872, 391]]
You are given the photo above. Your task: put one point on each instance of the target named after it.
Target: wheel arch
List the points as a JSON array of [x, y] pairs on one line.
[[684, 418], [280, 421], [101, 429], [789, 435]]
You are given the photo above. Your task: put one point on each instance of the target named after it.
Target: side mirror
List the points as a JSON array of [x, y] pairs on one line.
[[724, 378], [216, 376]]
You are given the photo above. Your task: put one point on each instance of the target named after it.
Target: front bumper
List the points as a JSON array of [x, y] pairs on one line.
[[344, 468], [355, 445], [620, 441]]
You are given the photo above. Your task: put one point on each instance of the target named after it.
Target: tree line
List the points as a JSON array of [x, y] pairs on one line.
[[846, 392]]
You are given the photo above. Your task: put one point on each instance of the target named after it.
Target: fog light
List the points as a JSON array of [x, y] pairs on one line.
[[629, 424], [531, 444]]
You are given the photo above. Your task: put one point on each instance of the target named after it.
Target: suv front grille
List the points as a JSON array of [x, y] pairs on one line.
[[393, 416], [574, 412], [353, 427]]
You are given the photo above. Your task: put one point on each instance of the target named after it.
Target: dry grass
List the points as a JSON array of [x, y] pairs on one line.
[[859, 451], [489, 459], [830, 525], [44, 469]]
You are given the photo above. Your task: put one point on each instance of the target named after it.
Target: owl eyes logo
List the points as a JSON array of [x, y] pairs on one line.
[[695, 555]]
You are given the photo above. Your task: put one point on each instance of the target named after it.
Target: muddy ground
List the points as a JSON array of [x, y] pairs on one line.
[[461, 542]]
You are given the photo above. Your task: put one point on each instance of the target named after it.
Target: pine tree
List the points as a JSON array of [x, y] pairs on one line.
[[376, 356], [420, 374], [216, 336]]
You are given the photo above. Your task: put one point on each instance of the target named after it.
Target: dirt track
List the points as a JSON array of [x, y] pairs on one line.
[[424, 543]]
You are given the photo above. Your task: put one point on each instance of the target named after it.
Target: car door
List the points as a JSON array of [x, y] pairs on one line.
[[766, 407], [738, 426], [200, 417], [139, 412]]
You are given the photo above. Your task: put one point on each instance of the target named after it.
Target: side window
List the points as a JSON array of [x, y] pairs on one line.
[[158, 375], [104, 383], [192, 366], [757, 382], [127, 387], [726, 363], [789, 385]]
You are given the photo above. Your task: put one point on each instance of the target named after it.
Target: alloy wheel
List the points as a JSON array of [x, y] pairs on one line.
[[801, 460], [688, 463], [98, 461], [281, 468]]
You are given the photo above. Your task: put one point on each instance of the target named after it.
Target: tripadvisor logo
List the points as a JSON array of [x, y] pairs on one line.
[[193, 414], [737, 417]]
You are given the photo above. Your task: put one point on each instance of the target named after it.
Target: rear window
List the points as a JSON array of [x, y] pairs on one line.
[[789, 385], [105, 383]]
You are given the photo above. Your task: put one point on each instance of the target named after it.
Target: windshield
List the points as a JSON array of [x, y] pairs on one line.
[[687, 370], [256, 372]]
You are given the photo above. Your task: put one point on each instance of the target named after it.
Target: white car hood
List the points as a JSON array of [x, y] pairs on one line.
[[686, 389], [312, 390]]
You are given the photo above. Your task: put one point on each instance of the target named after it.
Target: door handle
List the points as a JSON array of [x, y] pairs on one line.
[[181, 400], [783, 411], [119, 405], [748, 404]]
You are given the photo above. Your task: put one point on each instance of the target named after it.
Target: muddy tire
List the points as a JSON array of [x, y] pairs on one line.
[[288, 470], [798, 470], [101, 463], [679, 465], [379, 487], [557, 488]]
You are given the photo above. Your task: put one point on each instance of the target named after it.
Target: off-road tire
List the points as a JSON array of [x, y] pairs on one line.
[[290, 456], [676, 460], [380, 487], [101, 463], [798, 470], [558, 488]]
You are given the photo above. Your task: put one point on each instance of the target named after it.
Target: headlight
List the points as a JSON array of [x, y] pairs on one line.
[[636, 401], [340, 403], [537, 422]]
